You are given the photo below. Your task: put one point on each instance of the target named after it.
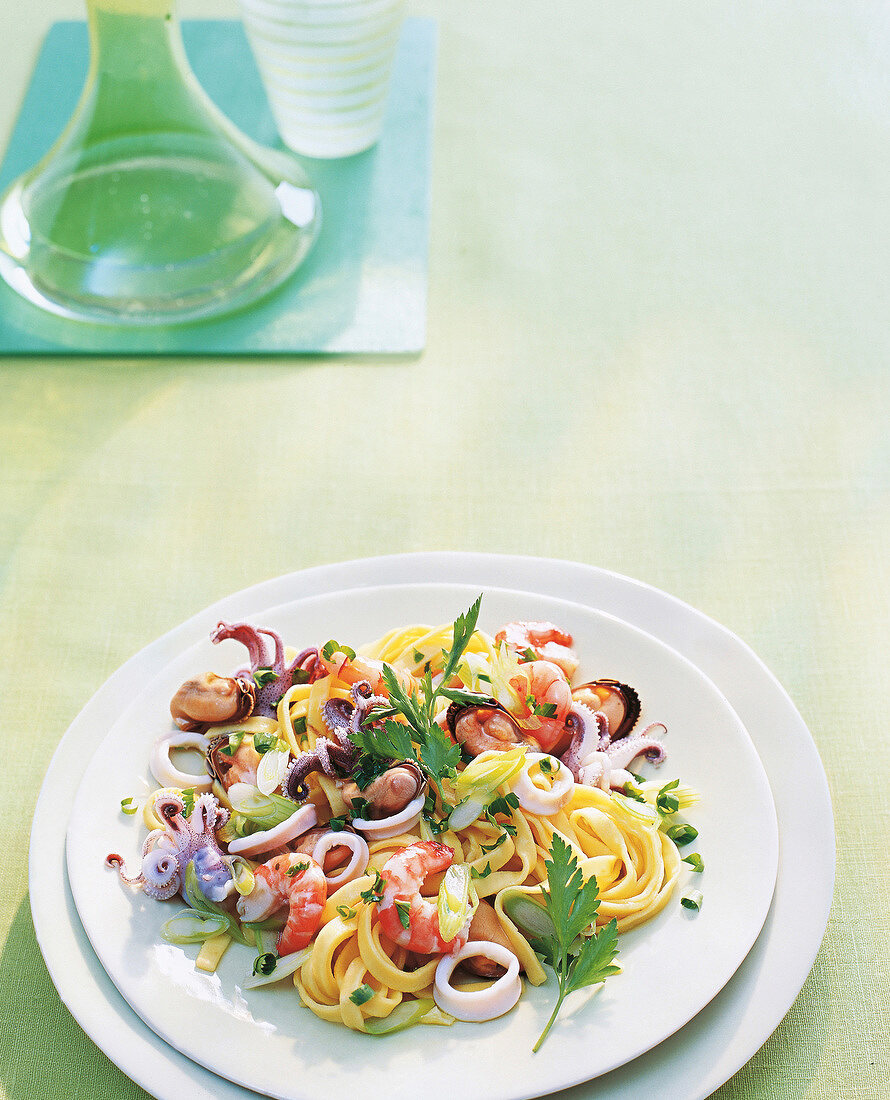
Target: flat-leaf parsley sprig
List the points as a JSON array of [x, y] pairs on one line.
[[417, 736], [578, 960]]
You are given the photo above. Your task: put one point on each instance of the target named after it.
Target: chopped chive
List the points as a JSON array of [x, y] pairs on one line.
[[695, 861], [362, 994], [265, 963]]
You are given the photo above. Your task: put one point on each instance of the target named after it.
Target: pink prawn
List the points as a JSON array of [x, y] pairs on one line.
[[294, 880], [545, 640], [402, 903]]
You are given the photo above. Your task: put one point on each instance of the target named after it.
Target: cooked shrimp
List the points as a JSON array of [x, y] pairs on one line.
[[356, 669], [545, 640], [404, 873], [294, 880], [543, 684]]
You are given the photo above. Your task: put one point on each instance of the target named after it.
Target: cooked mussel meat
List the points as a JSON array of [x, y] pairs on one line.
[[480, 726], [619, 702], [390, 792], [209, 699]]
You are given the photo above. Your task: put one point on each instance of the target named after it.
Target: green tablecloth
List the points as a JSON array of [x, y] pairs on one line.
[[657, 343]]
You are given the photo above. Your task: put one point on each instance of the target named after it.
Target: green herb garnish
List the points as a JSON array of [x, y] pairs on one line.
[[338, 824], [296, 868], [578, 958], [682, 834], [416, 736], [129, 806], [346, 913], [264, 676], [330, 648], [403, 908], [265, 963], [362, 994], [668, 803], [375, 890], [695, 861], [692, 901]]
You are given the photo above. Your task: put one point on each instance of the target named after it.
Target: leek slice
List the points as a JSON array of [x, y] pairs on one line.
[[191, 926], [405, 1014], [284, 968], [529, 917], [456, 902]]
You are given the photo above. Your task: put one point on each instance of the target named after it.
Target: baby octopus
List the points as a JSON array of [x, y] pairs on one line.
[[167, 852]]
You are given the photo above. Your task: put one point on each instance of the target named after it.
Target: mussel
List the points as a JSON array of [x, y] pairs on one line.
[[619, 702], [209, 700], [480, 726], [389, 793]]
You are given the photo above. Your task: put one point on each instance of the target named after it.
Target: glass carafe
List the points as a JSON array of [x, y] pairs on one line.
[[152, 208]]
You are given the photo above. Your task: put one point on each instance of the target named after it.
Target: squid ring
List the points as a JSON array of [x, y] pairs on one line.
[[386, 827], [537, 800], [478, 1004], [166, 772], [355, 868]]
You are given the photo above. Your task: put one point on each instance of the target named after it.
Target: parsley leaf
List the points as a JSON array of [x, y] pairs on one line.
[[375, 890], [572, 905], [381, 737]]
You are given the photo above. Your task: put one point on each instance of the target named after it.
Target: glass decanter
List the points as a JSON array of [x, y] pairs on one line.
[[152, 208]]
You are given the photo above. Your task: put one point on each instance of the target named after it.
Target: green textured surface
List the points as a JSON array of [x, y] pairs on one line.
[[362, 289], [657, 343]]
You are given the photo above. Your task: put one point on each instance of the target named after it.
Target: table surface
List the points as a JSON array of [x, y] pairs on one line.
[[657, 343]]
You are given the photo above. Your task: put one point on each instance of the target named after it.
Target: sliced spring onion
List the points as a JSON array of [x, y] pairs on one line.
[[191, 926], [456, 902], [361, 995], [129, 806], [242, 875], [642, 811], [271, 770], [529, 917], [692, 900], [264, 810], [466, 812], [405, 1014], [283, 968], [695, 861], [490, 771]]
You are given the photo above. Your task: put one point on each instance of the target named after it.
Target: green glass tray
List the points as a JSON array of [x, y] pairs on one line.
[[363, 287]]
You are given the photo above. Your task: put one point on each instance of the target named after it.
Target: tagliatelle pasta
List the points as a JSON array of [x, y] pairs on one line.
[[475, 751]]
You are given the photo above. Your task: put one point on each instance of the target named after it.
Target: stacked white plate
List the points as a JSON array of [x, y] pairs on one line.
[[326, 67], [676, 970]]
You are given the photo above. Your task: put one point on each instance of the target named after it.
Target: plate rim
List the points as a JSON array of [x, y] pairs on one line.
[[703, 1071]]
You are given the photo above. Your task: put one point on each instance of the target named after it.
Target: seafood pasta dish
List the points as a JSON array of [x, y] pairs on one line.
[[405, 832]]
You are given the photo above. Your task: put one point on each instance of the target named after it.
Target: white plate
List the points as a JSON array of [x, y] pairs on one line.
[[689, 1065], [672, 968]]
